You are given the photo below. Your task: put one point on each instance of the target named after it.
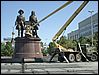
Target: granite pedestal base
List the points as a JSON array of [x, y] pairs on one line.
[[27, 48]]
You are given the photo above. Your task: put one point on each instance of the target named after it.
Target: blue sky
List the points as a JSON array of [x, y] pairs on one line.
[[49, 27]]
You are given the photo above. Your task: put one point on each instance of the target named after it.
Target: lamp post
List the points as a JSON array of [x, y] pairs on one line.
[[12, 40], [13, 33], [91, 25]]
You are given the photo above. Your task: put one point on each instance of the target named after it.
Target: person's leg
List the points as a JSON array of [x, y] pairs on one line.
[[62, 54], [52, 56]]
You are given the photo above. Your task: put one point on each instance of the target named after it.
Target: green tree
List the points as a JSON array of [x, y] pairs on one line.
[[45, 52], [44, 49], [41, 44], [63, 41], [84, 40], [96, 39], [51, 47], [2, 49], [66, 43], [6, 50]]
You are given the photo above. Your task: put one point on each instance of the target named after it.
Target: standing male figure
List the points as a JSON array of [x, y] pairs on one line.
[[33, 20], [20, 22]]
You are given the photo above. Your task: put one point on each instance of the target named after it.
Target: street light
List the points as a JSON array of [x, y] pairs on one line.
[[13, 33], [12, 40], [91, 25]]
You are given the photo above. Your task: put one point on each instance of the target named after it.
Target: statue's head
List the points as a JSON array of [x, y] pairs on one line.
[[33, 13], [20, 11]]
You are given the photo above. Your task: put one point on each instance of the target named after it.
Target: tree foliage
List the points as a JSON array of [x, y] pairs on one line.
[[6, 49], [66, 43], [84, 40], [51, 47], [63, 41], [45, 52], [44, 48], [96, 39]]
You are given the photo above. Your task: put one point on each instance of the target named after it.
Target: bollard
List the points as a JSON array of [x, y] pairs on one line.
[[22, 65]]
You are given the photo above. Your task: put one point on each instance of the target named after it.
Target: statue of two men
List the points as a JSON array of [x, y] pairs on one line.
[[20, 22]]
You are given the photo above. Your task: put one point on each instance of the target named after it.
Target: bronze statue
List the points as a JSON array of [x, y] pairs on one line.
[[28, 32], [20, 22], [33, 20]]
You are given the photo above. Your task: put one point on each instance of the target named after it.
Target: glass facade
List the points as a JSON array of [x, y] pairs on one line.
[[85, 28]]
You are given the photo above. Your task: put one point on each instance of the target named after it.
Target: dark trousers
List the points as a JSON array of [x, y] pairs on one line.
[[59, 53]]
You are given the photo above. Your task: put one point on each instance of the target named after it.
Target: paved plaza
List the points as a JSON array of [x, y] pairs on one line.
[[50, 68]]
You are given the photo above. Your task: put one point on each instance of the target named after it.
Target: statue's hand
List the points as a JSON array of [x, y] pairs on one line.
[[38, 25], [32, 23], [32, 27], [16, 23]]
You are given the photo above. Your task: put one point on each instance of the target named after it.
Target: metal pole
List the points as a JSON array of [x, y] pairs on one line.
[[22, 65], [13, 33], [91, 25], [67, 3]]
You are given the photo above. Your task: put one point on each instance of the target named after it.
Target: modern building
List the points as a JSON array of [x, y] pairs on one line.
[[74, 35], [85, 28]]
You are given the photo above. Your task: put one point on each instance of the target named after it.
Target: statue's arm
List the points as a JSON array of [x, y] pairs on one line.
[[37, 21], [16, 22], [24, 19], [30, 18]]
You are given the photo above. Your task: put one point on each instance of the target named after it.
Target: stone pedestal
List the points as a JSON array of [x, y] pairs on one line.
[[27, 48]]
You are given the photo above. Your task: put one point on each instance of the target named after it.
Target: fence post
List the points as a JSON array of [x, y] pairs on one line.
[[22, 65]]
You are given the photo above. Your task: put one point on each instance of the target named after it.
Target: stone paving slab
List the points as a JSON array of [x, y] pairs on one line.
[[39, 71], [15, 71], [11, 67], [77, 69], [4, 71], [53, 69]]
